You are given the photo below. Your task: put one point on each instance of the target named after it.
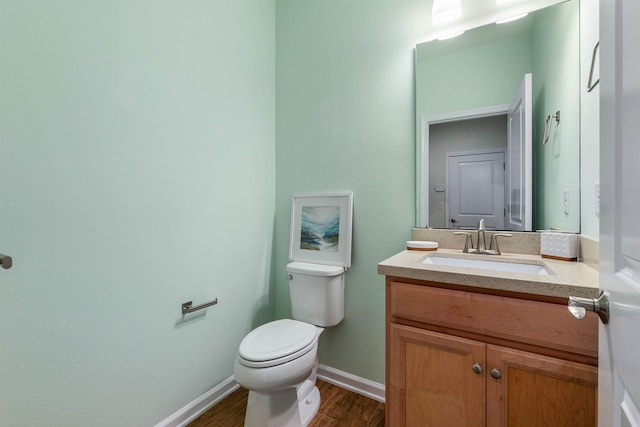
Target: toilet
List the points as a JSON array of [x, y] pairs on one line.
[[278, 361]]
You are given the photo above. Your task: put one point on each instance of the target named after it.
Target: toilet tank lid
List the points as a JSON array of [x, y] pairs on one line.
[[315, 269]]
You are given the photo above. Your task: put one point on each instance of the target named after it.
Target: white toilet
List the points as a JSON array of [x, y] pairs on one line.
[[278, 361]]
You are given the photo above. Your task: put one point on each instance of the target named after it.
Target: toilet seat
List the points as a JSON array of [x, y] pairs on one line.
[[277, 342]]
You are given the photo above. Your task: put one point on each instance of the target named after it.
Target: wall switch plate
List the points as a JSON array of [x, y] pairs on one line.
[[565, 200]]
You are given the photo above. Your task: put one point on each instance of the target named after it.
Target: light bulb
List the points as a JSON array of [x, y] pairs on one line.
[[446, 11]]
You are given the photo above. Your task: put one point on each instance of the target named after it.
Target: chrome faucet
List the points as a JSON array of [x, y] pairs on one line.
[[480, 244], [480, 247]]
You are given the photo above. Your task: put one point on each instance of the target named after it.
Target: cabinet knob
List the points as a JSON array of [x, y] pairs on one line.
[[477, 368], [495, 373]]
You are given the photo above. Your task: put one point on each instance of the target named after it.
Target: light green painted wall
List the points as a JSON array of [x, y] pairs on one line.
[[556, 63], [345, 122], [137, 171], [589, 119], [477, 77], [137, 158]]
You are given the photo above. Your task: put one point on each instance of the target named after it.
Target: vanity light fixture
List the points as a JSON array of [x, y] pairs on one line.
[[512, 18], [450, 36], [446, 11]]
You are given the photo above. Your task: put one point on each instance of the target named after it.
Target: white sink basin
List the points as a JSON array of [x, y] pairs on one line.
[[514, 267]]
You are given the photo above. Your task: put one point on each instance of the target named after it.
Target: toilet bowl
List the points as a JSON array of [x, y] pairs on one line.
[[276, 355], [278, 361], [280, 374]]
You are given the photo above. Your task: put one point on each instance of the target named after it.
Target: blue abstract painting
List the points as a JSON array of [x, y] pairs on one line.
[[320, 228]]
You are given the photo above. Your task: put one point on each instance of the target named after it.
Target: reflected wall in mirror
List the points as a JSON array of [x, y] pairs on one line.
[[475, 76]]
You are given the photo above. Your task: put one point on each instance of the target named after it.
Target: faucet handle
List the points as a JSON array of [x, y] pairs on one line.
[[468, 243], [494, 241]]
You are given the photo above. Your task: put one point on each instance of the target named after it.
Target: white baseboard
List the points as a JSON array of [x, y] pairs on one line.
[[331, 375], [351, 382], [197, 407]]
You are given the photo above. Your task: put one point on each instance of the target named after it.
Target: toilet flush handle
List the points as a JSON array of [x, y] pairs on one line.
[[288, 277]]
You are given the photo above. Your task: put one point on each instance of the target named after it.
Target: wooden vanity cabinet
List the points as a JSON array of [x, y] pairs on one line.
[[461, 358]]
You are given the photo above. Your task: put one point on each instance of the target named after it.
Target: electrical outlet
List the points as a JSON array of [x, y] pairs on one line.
[[565, 200], [597, 201]]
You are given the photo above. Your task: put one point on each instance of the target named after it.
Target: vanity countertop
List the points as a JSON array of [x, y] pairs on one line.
[[568, 278]]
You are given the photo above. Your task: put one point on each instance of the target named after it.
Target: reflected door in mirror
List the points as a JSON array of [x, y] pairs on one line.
[[475, 188]]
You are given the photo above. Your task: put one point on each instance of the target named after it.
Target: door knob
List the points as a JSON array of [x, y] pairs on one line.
[[453, 221], [579, 307]]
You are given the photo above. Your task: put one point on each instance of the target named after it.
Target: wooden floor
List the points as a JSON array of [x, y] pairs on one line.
[[338, 407]]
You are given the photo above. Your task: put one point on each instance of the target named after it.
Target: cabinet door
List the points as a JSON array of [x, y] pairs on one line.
[[432, 381], [535, 390]]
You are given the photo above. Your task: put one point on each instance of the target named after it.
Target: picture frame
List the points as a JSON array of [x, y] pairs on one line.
[[321, 229]]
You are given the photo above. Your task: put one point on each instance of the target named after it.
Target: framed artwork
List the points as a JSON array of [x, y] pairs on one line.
[[321, 229]]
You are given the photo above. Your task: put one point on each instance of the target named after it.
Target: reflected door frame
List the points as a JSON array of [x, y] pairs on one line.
[[422, 166]]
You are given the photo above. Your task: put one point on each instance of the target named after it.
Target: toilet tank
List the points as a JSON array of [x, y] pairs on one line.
[[317, 293]]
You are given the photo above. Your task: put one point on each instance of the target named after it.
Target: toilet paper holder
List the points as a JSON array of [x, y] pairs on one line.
[[187, 307], [6, 261]]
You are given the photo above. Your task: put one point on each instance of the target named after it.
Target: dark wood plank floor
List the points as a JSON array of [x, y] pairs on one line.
[[338, 407]]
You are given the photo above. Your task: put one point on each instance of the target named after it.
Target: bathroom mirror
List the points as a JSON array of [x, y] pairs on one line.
[[464, 88]]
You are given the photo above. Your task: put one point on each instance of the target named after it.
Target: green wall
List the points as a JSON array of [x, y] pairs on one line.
[[137, 171], [555, 41], [142, 164], [345, 123], [476, 77], [589, 120]]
